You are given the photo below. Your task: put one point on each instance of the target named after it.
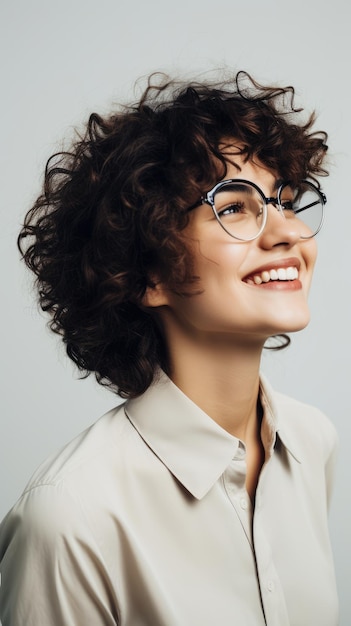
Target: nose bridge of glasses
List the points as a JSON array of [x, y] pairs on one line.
[[274, 200]]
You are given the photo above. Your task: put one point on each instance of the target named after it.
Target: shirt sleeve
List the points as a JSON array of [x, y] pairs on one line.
[[52, 570]]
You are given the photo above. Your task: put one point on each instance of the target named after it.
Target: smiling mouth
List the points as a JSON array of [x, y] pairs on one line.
[[282, 274]]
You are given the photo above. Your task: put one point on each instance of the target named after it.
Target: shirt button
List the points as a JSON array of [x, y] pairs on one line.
[[270, 585], [243, 504]]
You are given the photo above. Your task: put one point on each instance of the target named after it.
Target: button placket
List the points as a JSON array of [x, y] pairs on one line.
[[272, 594], [235, 486]]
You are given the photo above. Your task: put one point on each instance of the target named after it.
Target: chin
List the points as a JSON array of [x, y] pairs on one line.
[[296, 326], [292, 323]]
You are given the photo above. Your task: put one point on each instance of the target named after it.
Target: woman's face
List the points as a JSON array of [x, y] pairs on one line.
[[233, 301]]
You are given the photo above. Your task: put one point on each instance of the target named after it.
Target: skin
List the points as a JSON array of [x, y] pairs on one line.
[[215, 338]]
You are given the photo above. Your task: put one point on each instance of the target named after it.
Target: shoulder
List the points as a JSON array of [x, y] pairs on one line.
[[306, 420], [39, 519], [57, 536], [63, 517], [305, 427], [69, 485], [96, 446]]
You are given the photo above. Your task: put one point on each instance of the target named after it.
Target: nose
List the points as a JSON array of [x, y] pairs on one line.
[[279, 230]]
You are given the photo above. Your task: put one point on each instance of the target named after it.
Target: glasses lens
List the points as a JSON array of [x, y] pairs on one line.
[[240, 209], [305, 204]]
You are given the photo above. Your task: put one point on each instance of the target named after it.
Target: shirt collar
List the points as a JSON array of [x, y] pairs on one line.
[[276, 425], [189, 443]]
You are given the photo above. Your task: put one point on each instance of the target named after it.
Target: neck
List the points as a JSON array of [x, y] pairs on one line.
[[222, 377]]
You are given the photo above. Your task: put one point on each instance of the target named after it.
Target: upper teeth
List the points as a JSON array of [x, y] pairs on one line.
[[282, 273]]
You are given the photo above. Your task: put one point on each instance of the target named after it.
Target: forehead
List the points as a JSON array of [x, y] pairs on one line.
[[239, 165], [255, 172]]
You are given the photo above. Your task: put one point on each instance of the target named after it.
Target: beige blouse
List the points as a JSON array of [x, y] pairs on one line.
[[144, 520]]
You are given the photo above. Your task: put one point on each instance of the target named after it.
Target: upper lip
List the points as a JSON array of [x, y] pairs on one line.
[[274, 265]]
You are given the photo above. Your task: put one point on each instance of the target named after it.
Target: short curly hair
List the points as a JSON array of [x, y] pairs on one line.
[[114, 207]]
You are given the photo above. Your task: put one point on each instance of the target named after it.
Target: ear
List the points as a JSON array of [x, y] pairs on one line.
[[156, 295]]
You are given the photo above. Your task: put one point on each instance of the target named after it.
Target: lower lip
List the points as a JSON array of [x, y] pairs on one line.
[[280, 285]]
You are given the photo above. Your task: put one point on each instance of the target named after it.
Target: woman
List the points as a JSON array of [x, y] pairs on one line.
[[169, 245]]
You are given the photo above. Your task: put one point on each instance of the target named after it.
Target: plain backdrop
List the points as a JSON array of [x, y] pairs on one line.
[[62, 60]]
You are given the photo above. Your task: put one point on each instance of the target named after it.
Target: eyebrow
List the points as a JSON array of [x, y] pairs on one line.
[[238, 187], [241, 186]]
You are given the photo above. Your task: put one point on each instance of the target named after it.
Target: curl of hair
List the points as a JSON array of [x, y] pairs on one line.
[[113, 210]]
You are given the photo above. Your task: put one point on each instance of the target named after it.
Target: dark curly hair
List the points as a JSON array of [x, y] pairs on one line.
[[114, 206]]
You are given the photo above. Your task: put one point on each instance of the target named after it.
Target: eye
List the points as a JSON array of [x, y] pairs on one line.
[[288, 199], [287, 205], [238, 202], [231, 209]]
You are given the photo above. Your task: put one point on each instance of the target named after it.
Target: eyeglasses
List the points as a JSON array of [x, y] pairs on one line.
[[241, 208]]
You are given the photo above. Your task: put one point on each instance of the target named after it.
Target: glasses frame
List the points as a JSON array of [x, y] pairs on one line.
[[208, 198]]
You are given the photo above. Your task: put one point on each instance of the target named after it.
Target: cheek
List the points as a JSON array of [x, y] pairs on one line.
[[218, 259], [310, 257], [312, 250]]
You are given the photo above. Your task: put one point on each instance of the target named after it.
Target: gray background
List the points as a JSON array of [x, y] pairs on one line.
[[62, 60]]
